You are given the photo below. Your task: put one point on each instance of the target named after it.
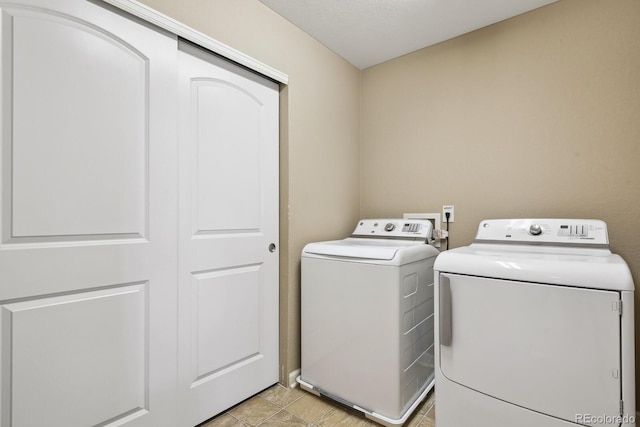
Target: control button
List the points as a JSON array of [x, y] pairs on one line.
[[535, 230], [563, 231], [585, 231], [389, 227]]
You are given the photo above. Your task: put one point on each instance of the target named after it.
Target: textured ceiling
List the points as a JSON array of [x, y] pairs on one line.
[[368, 32]]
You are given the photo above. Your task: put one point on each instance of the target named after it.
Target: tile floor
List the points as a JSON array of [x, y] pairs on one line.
[[281, 406]]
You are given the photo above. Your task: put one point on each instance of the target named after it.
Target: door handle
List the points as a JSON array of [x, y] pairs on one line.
[[272, 247], [446, 331]]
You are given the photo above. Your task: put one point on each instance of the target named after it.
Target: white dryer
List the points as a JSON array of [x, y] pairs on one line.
[[367, 318], [534, 328]]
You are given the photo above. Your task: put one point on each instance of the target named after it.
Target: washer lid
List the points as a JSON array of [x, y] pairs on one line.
[[358, 248]]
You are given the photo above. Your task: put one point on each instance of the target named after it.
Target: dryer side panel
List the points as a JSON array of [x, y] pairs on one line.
[[551, 349]]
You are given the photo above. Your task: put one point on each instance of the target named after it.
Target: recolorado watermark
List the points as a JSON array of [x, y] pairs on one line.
[[605, 419]]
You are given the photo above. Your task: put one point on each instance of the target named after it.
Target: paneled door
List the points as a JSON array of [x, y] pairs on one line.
[[228, 235], [88, 213]]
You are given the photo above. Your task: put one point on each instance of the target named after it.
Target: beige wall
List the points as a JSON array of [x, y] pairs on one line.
[[537, 116], [319, 134]]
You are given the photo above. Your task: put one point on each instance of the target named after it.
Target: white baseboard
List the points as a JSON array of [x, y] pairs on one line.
[[292, 378]]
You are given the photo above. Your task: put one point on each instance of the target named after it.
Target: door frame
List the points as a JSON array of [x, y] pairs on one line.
[[163, 21]]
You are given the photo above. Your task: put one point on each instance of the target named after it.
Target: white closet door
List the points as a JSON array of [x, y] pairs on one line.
[[228, 276], [88, 214]]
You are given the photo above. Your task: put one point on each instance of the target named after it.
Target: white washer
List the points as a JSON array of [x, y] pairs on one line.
[[534, 328], [367, 318]]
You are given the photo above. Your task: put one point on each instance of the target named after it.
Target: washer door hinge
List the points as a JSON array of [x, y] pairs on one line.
[[617, 306]]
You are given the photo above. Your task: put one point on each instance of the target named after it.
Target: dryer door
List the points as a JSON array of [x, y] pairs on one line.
[[552, 349]]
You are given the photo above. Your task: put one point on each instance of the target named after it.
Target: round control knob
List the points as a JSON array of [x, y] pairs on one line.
[[535, 230], [390, 226]]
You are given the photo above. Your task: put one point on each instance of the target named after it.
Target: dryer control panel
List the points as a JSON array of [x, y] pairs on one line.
[[544, 230], [398, 228]]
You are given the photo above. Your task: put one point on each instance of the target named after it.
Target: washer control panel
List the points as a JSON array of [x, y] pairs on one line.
[[415, 229], [547, 230]]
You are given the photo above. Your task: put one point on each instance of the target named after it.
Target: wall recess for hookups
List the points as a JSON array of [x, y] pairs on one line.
[[435, 219]]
